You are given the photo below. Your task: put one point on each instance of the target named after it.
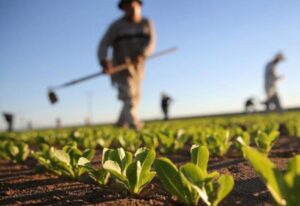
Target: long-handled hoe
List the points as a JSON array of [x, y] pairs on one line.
[[53, 97]]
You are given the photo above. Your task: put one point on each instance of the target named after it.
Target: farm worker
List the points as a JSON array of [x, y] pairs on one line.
[[131, 37], [9, 118], [271, 79], [250, 105], [165, 103]]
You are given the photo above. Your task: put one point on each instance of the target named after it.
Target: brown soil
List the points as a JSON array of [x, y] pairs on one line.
[[27, 184]]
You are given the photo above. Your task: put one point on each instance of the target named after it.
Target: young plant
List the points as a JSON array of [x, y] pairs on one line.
[[284, 187], [14, 151], [135, 174], [199, 135], [101, 175], [67, 162], [265, 140], [150, 140], [129, 140], [172, 141], [192, 181], [293, 127], [246, 139], [218, 143]]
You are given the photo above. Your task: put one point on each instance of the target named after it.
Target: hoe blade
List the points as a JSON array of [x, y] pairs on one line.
[[52, 97]]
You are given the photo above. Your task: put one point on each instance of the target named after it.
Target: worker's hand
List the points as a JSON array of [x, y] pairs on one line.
[[107, 66], [139, 59]]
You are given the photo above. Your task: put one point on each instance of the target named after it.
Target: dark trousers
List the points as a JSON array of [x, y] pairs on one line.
[[274, 100], [166, 113]]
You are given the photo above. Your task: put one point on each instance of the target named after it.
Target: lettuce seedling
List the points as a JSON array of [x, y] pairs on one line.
[[192, 181], [150, 140], [101, 175], [67, 162], [284, 187], [293, 127], [133, 174], [129, 140], [14, 151], [246, 139], [218, 143], [171, 141], [265, 140]]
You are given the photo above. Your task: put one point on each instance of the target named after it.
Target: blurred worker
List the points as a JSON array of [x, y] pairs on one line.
[[29, 125], [58, 123], [165, 103], [250, 105], [271, 79], [9, 118], [131, 37]]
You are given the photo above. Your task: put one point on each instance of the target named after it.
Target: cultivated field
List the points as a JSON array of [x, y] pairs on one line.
[[236, 160]]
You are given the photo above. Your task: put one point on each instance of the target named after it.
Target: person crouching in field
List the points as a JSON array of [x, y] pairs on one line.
[[271, 78], [132, 36]]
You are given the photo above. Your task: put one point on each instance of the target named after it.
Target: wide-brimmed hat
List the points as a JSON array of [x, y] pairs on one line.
[[123, 2]]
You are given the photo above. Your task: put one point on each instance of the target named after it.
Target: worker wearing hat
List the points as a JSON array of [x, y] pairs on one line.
[[131, 37], [271, 79]]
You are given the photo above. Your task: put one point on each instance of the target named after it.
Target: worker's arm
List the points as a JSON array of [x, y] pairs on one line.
[[148, 49], [104, 45]]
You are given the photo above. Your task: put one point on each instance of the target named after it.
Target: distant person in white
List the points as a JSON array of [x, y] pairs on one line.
[[271, 79]]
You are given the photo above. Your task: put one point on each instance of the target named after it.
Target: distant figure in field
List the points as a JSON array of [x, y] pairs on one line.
[[131, 37], [250, 105], [58, 123], [9, 118], [29, 125], [271, 79], [165, 103]]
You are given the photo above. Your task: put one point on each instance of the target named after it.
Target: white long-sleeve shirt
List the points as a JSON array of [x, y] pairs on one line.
[[271, 79]]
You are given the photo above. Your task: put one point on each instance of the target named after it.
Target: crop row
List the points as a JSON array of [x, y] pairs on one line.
[[129, 157], [190, 183]]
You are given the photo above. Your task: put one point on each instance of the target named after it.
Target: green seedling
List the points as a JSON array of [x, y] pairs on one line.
[[191, 182]]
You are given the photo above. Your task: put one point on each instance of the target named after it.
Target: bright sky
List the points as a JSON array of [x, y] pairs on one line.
[[223, 49]]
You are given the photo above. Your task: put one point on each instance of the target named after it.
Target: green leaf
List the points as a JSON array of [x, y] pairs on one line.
[[105, 154], [24, 152], [193, 173], [170, 178], [195, 176], [101, 176], [211, 176], [146, 179], [13, 149], [88, 153], [120, 156], [199, 156], [224, 186], [84, 162], [292, 179], [60, 155], [270, 175], [114, 168], [74, 155], [146, 157], [133, 173], [64, 168], [44, 148]]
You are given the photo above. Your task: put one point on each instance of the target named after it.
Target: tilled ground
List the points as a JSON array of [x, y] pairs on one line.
[[28, 185]]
